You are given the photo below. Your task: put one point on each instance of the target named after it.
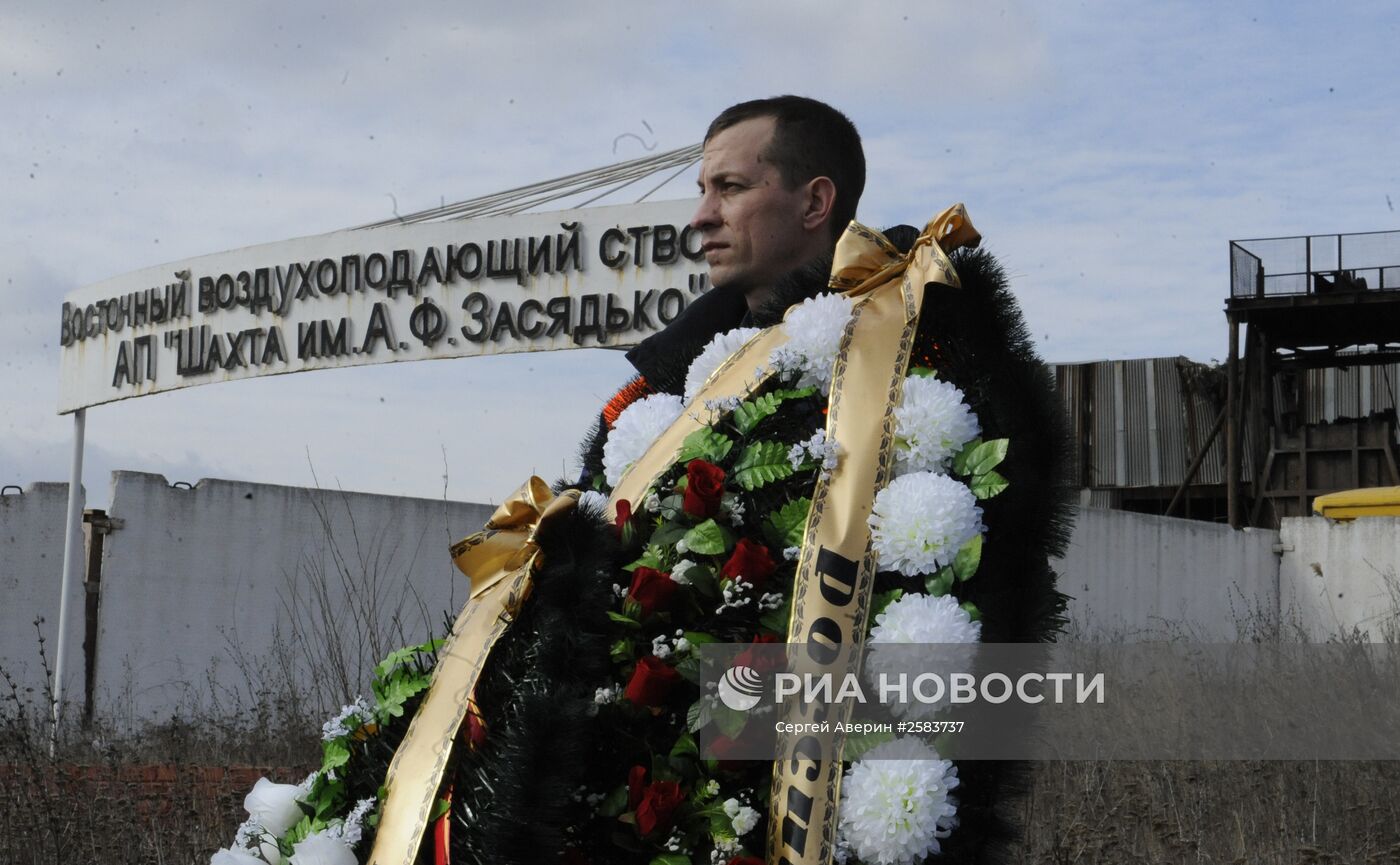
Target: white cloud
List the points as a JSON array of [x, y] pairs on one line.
[[1108, 156]]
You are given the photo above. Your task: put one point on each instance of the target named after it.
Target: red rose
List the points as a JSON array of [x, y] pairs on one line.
[[658, 806], [705, 485], [745, 860], [721, 748], [653, 590], [651, 682], [635, 779], [762, 660], [624, 515], [572, 856], [751, 561]]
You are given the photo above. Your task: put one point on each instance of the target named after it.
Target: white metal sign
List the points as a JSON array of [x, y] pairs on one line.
[[605, 276]]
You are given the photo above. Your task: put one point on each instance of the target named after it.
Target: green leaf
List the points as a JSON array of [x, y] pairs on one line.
[[941, 583], [440, 807], [334, 753], [922, 372], [972, 611], [730, 721], [651, 558], [786, 525], [328, 803], [700, 638], [699, 715], [621, 651], [702, 579], [987, 456], [777, 620], [672, 506], [624, 620], [709, 539], [614, 803], [704, 444], [761, 463], [690, 669], [685, 747], [961, 461], [968, 559], [394, 660], [751, 411], [667, 534], [882, 600], [670, 859], [987, 485]]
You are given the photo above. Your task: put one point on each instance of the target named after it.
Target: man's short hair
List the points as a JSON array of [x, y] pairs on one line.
[[810, 139]]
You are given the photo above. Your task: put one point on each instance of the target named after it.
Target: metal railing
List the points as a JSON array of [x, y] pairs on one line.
[[1315, 264]]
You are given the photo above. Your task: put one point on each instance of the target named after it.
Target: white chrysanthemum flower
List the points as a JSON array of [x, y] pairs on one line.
[[925, 619], [714, 354], [921, 520], [814, 334], [933, 423], [635, 429], [915, 620], [895, 803]]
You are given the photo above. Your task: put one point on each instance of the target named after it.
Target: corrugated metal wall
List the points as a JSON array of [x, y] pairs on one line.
[[1135, 423]]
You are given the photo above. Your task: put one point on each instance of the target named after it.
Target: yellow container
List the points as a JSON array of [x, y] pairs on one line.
[[1350, 504]]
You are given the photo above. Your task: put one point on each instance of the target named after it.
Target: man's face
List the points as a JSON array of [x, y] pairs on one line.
[[751, 224]]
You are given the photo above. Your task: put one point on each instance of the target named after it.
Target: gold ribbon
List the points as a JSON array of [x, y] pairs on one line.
[[836, 570], [500, 562]]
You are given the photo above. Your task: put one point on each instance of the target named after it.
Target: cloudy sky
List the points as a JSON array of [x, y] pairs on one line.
[[1107, 151]]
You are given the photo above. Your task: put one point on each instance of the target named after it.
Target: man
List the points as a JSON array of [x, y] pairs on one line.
[[779, 182]]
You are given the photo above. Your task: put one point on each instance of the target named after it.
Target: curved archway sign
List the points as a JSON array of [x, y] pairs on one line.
[[605, 276], [417, 290]]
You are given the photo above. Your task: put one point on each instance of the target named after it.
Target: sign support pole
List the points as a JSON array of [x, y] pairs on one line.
[[71, 554]]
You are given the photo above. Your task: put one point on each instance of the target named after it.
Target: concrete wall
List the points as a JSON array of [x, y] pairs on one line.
[[31, 565], [227, 594], [219, 593], [1142, 577], [1341, 577]]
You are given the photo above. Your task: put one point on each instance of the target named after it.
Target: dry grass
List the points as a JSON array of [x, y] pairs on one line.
[[1259, 813]]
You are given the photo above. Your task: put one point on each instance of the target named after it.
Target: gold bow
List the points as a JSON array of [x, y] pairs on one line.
[[500, 561]]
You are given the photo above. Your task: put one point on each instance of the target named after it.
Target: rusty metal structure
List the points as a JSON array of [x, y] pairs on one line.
[[1321, 315]]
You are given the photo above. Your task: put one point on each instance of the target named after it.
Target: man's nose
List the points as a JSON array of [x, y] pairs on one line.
[[706, 213]]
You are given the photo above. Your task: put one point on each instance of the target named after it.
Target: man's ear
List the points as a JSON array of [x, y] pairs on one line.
[[821, 197]]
